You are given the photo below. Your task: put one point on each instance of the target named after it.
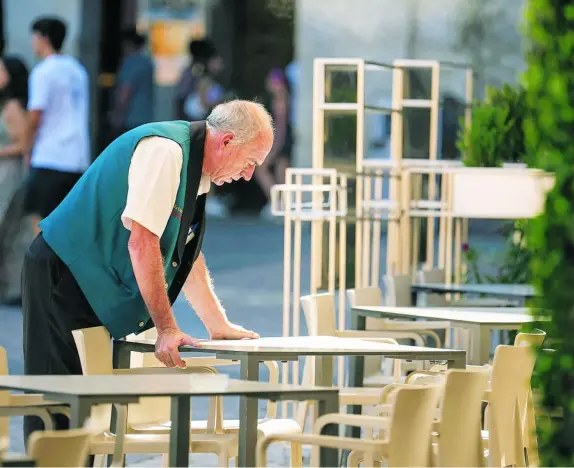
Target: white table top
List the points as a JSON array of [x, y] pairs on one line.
[[494, 316], [307, 346], [507, 290], [147, 385]]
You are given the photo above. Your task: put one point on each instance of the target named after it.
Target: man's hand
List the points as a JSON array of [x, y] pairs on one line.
[[230, 331], [167, 344]]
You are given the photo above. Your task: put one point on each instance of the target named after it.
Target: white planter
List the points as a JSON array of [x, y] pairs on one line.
[[498, 193]]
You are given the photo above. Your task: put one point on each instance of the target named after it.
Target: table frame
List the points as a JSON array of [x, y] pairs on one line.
[[249, 370], [248, 405]]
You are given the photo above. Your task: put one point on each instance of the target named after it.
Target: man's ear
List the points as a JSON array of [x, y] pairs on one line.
[[227, 138]]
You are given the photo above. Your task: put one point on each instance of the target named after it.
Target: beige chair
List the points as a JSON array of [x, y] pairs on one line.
[[319, 312], [25, 404], [438, 275], [268, 425], [397, 294], [60, 448], [457, 428], [95, 351], [510, 433], [406, 443], [508, 399]]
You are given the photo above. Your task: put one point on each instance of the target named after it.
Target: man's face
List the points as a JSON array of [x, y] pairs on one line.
[[234, 162], [37, 43]]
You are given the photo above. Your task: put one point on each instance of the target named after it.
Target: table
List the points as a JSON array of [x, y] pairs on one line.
[[250, 352], [480, 322], [81, 392], [507, 291]]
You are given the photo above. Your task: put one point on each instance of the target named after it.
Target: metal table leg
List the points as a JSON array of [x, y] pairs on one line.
[[324, 378], [80, 412], [356, 376], [180, 427], [248, 414]]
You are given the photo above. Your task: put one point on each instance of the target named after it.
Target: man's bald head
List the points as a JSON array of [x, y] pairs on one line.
[[240, 135]]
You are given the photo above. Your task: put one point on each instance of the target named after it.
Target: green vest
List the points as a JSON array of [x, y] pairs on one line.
[[87, 233]]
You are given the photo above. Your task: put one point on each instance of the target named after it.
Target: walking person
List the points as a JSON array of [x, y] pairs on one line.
[[273, 171], [58, 120], [14, 237], [127, 240], [134, 94]]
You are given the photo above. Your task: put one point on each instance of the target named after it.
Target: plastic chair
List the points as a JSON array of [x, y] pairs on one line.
[[406, 444], [268, 425], [25, 404], [95, 351], [60, 448]]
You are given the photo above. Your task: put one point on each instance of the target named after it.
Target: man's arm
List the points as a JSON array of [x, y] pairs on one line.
[[145, 254], [198, 290], [34, 118], [153, 181], [39, 92]]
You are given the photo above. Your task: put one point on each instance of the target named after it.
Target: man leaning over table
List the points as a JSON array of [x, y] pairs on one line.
[[127, 239]]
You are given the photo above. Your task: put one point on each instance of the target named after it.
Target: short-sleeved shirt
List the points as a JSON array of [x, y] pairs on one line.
[[153, 182], [58, 86], [137, 71]]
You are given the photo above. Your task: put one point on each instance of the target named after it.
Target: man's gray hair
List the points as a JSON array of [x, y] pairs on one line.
[[245, 119]]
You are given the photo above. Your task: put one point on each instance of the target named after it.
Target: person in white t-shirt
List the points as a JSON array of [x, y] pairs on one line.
[[58, 109]]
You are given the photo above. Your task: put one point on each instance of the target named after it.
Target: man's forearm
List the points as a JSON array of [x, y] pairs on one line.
[[145, 255], [198, 290]]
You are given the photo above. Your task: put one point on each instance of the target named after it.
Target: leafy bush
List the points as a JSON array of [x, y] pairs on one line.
[[496, 132], [549, 83]]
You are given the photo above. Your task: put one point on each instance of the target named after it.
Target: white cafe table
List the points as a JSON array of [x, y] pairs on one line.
[[82, 392], [521, 292], [250, 352], [479, 321]]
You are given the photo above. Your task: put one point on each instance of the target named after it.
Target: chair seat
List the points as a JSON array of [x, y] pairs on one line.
[[380, 380], [360, 396], [159, 443]]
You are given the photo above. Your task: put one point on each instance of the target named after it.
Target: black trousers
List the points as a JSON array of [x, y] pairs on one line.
[[53, 305]]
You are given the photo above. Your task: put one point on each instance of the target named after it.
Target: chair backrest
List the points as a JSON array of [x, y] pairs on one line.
[[512, 369], [95, 351], [370, 296], [459, 429], [411, 422], [535, 338], [397, 290], [60, 448], [319, 311], [4, 395], [434, 275]]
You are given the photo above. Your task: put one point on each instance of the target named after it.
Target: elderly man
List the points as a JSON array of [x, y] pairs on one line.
[[126, 240]]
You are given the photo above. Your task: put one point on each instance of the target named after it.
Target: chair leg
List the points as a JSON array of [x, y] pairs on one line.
[[296, 455], [223, 458], [355, 458], [99, 461], [165, 461]]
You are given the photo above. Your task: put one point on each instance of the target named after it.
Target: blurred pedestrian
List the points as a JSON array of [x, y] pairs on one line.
[[134, 93], [198, 92], [14, 238], [58, 108], [273, 170]]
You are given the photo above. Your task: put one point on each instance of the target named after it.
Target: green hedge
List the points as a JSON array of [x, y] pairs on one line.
[[549, 82], [495, 134]]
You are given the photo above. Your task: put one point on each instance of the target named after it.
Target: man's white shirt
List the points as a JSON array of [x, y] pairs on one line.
[[153, 181]]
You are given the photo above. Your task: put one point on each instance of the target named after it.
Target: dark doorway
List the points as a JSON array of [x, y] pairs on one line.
[[261, 38], [116, 14]]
